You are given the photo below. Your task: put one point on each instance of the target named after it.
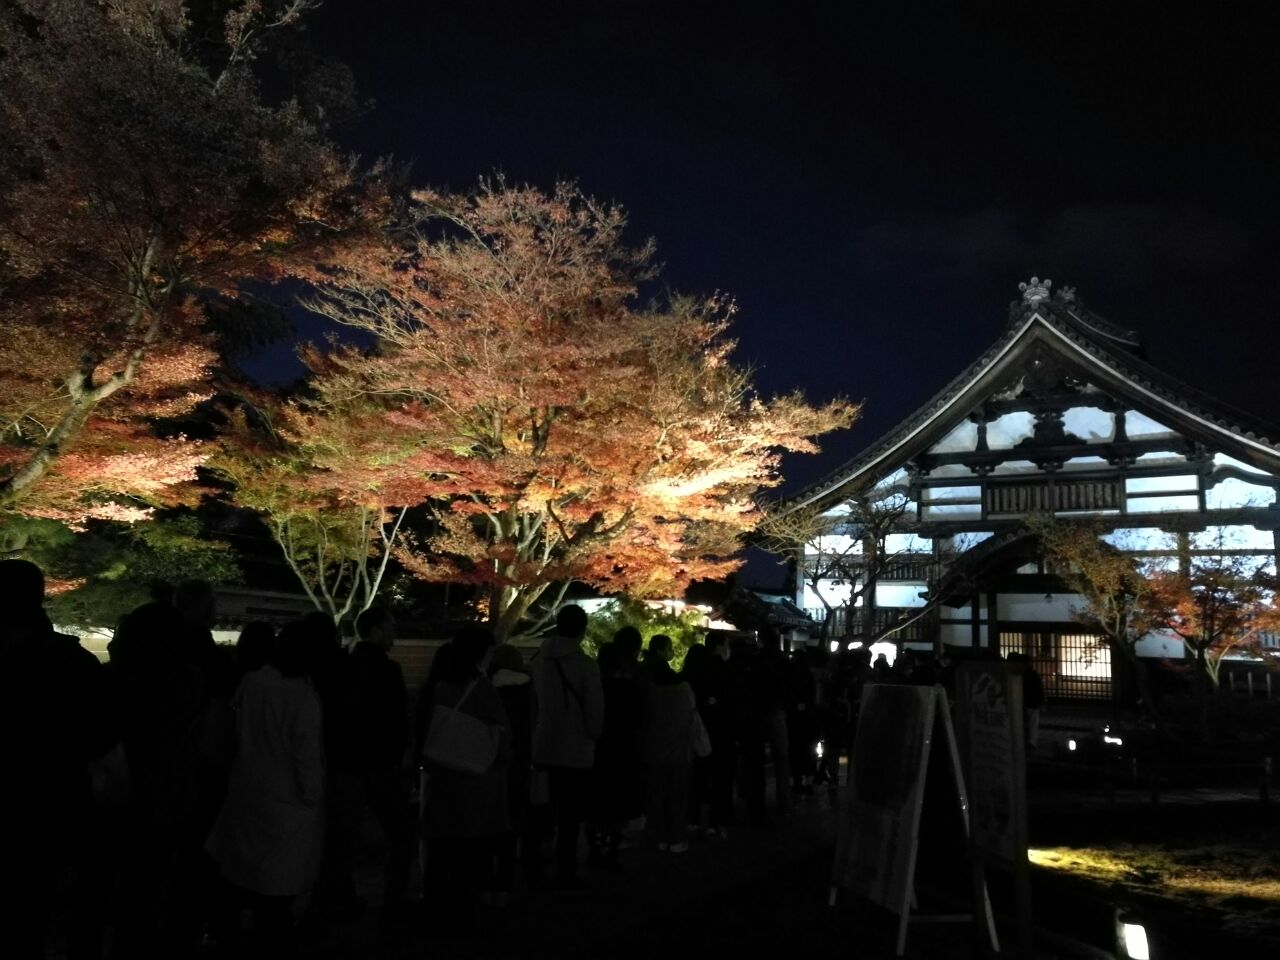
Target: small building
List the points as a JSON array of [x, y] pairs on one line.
[[1061, 416]]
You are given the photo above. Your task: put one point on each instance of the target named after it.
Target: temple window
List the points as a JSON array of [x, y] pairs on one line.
[[963, 437], [1138, 425], [1230, 493], [1010, 429], [1089, 423]]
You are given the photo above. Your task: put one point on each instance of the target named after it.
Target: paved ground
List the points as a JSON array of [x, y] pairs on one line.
[[760, 893], [763, 893]]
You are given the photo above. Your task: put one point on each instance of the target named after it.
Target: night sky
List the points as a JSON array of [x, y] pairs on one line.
[[872, 186]]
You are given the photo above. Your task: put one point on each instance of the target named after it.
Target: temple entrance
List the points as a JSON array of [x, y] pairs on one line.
[[1073, 665]]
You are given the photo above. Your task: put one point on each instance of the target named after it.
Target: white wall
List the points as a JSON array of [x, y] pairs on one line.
[[1061, 608]]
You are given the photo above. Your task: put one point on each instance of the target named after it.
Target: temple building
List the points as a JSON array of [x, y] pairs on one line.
[[1061, 416]]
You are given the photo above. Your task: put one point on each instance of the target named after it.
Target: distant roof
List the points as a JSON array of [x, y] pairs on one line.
[[1107, 353], [756, 608]]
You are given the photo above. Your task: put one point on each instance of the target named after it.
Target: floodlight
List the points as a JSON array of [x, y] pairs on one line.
[[1131, 937]]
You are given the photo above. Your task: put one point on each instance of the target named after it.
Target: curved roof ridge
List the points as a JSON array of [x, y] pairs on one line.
[[1087, 332]]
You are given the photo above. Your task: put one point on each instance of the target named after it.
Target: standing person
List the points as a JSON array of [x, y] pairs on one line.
[[55, 718], [467, 813], [1032, 697], [835, 711], [628, 641], [379, 738], [772, 676], [329, 669], [253, 647], [693, 672], [195, 877], [267, 838], [803, 730], [747, 716], [514, 686], [158, 697], [881, 672], [714, 692], [668, 747], [569, 722], [618, 778]]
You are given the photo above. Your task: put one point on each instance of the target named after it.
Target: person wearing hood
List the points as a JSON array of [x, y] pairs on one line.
[[570, 719]]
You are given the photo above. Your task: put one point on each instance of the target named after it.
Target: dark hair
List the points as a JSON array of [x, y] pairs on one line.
[[289, 653], [371, 619], [571, 621], [253, 646], [660, 642], [467, 649], [629, 641], [609, 660], [148, 637], [695, 662], [22, 584], [195, 598]]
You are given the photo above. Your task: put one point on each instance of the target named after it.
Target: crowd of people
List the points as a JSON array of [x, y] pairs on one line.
[[188, 792]]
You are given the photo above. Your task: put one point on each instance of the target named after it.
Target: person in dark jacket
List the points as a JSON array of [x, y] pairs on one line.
[[693, 672], [618, 778], [329, 668], [514, 686], [55, 719], [159, 699], [380, 733], [714, 690], [668, 746], [195, 881], [1033, 698]]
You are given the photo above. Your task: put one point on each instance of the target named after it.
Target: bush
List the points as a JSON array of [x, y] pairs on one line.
[[684, 629]]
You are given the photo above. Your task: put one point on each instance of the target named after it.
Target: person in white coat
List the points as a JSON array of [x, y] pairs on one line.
[[267, 838]]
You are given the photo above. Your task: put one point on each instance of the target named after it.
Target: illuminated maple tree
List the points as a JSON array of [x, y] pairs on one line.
[[142, 175], [1217, 601], [1220, 607], [319, 470], [562, 429], [847, 546]]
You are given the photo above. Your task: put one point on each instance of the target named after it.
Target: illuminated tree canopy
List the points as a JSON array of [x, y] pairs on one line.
[[142, 176], [562, 429]]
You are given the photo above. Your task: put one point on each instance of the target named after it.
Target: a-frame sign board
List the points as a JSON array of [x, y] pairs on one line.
[[879, 834], [993, 745]]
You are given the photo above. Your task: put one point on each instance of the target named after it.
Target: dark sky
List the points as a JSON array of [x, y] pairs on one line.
[[872, 185]]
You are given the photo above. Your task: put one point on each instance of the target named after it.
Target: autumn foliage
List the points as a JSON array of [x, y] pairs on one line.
[[551, 424], [562, 428], [142, 175]]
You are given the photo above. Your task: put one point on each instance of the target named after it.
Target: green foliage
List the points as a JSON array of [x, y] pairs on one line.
[[96, 576], [684, 629]]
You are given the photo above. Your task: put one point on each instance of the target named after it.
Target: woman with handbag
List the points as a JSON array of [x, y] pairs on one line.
[[466, 808]]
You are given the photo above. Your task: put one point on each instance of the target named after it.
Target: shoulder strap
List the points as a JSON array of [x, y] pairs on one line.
[[568, 686], [465, 693]]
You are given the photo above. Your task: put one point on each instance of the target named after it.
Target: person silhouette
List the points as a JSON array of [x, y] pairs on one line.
[[55, 719]]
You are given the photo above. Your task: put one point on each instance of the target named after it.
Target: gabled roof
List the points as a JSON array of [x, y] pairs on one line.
[[1104, 353]]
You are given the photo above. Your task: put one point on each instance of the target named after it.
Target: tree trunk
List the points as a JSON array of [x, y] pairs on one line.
[[1202, 692]]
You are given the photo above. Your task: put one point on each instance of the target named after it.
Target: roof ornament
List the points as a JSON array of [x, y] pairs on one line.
[[1035, 290], [1067, 295]]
